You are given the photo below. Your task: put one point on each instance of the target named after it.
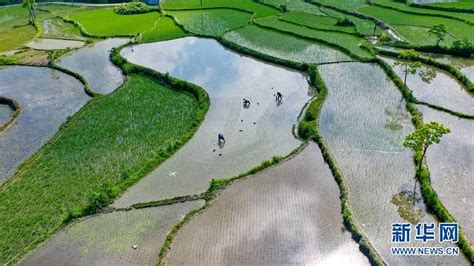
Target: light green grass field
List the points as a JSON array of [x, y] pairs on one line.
[[136, 127], [350, 5], [106, 22], [247, 5], [363, 26], [461, 4], [13, 12], [212, 22], [165, 29], [296, 5], [57, 28], [405, 7], [319, 22], [457, 29], [15, 33], [344, 40]]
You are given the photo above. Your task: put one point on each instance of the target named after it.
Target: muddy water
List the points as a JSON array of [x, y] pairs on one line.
[[364, 121], [107, 239], [434, 86], [47, 97], [451, 164], [252, 135], [5, 114], [93, 63], [53, 44], [286, 215]]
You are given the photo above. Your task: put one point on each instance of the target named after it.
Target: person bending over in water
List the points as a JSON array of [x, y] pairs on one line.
[[220, 138], [279, 97], [246, 103]]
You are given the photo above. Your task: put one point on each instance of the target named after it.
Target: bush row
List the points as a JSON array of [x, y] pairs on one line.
[[458, 48], [308, 124], [15, 106], [430, 197], [130, 8]]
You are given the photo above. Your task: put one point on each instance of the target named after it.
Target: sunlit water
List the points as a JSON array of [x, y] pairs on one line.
[[363, 121], [54, 44], [93, 63], [437, 87], [451, 164], [5, 114], [252, 135], [46, 97]]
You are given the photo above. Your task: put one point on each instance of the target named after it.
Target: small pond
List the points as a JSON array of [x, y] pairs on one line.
[[46, 97], [252, 134], [93, 63]]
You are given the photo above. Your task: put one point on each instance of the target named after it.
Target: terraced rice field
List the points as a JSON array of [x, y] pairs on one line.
[[93, 63], [54, 44], [165, 29], [252, 135], [212, 22], [283, 46], [57, 28], [363, 122], [5, 114], [296, 5], [108, 238], [288, 214], [437, 87], [318, 22], [46, 97], [451, 167]]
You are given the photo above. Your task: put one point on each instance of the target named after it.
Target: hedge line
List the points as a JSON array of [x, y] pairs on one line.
[[421, 14], [215, 186], [308, 129], [448, 68], [430, 197], [16, 111], [84, 82]]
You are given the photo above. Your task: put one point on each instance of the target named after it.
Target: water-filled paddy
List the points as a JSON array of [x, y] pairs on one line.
[[107, 239], [451, 166], [252, 135], [284, 46], [437, 87], [289, 214], [363, 121], [93, 63], [57, 28], [46, 97], [5, 114], [53, 44]]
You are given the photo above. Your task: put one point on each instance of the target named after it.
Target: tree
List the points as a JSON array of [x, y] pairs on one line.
[[439, 32], [423, 137], [406, 62], [31, 5]]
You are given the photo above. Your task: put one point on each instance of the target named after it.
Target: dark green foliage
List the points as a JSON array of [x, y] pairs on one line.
[[307, 126], [134, 7], [345, 22]]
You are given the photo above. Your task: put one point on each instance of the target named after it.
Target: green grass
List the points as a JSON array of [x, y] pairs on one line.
[[345, 41], [13, 12], [349, 5], [405, 7], [108, 146], [296, 5], [461, 4], [57, 28], [213, 22], [457, 29], [363, 26], [106, 22], [247, 5], [165, 29], [15, 33], [319, 22], [64, 10]]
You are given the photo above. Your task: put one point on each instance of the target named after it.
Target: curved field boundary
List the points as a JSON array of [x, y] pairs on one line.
[[316, 28], [421, 14], [15, 106], [430, 197], [212, 8]]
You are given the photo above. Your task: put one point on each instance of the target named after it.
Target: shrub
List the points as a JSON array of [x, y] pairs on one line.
[[134, 7], [345, 22]]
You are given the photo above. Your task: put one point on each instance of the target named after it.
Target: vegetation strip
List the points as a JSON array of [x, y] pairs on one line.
[[158, 203], [430, 197], [15, 106]]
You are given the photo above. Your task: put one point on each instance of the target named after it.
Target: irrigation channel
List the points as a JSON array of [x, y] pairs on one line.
[[363, 121], [46, 98]]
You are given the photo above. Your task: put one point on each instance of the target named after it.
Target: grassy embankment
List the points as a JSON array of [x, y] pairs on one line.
[[104, 148]]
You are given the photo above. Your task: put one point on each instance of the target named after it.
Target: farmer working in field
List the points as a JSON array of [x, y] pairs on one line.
[[279, 97], [220, 138]]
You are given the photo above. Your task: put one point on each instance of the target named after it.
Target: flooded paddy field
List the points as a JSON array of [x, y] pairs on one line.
[[288, 214], [119, 238], [53, 44], [57, 28], [451, 166], [364, 122], [93, 63], [434, 86], [252, 134], [5, 114], [46, 97], [284, 46]]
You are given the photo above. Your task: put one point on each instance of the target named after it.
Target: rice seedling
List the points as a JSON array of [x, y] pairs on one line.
[[164, 29], [319, 22]]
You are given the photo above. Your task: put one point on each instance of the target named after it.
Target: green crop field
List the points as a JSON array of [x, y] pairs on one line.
[[102, 149], [296, 5], [457, 29], [165, 29], [350, 5], [404, 7], [346, 41], [57, 28], [319, 22], [213, 22], [363, 26], [461, 4], [247, 5], [105, 22]]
